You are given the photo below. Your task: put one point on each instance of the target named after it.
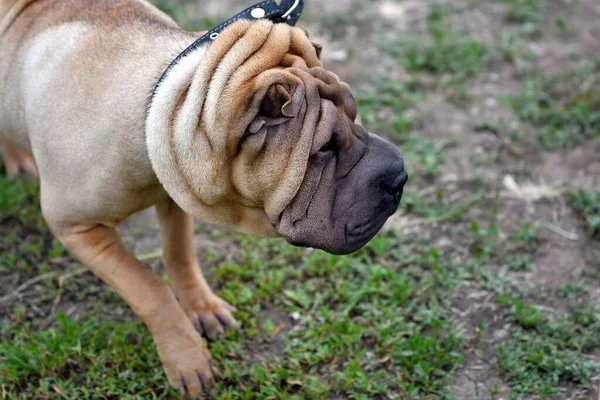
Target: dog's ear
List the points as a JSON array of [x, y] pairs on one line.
[[277, 103], [276, 107], [318, 49], [317, 46]]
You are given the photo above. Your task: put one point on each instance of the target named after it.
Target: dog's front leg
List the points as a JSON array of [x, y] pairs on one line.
[[16, 161], [209, 314], [182, 351]]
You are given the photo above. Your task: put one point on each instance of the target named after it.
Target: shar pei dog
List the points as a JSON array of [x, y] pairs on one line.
[[248, 132]]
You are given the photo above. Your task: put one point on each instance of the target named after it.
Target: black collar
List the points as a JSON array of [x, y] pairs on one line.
[[288, 12]]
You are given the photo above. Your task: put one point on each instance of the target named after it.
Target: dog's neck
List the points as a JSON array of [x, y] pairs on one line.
[[203, 106], [288, 12]]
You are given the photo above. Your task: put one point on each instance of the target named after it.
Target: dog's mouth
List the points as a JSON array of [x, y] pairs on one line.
[[340, 214], [362, 229], [345, 233], [338, 238]]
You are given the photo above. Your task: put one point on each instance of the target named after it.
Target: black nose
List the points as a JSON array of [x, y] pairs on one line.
[[395, 185]]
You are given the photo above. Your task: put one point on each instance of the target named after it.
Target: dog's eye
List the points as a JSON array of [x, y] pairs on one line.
[[329, 146]]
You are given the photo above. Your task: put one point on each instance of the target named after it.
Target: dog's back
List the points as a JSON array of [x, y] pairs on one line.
[[45, 38], [75, 81], [114, 12]]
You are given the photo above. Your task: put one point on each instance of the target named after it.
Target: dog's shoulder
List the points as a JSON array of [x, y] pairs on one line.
[[39, 15]]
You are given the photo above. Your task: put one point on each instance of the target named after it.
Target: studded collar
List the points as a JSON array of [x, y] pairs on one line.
[[288, 12]]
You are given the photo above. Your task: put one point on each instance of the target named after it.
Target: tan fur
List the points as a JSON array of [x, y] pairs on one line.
[[196, 146], [75, 81]]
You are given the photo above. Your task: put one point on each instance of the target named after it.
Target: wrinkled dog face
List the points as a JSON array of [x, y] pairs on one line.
[[350, 181], [275, 145]]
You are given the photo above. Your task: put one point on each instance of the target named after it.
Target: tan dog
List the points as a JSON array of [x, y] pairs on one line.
[[249, 133]]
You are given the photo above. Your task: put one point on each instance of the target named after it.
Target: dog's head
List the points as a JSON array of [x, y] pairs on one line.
[[253, 133]]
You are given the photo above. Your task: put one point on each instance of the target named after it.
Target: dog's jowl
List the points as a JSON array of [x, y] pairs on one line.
[[248, 131]]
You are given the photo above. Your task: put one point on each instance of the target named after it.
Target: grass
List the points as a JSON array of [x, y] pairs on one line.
[[556, 111], [534, 365], [352, 317], [524, 11], [451, 281], [529, 14], [70, 359], [186, 19], [587, 204], [563, 108], [444, 51], [349, 323], [544, 350], [392, 107], [20, 200], [356, 16]]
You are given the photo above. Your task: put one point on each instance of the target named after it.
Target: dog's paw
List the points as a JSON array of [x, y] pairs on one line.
[[211, 316], [188, 368]]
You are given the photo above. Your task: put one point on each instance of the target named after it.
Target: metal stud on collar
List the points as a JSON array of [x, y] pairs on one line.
[[258, 13]]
